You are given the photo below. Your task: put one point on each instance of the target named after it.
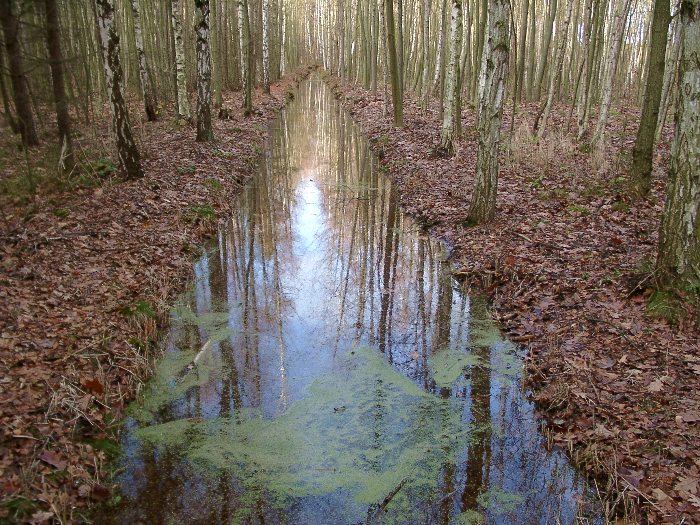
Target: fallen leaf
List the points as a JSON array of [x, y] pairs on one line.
[[687, 484], [41, 517], [656, 386], [659, 494], [53, 459], [94, 386]]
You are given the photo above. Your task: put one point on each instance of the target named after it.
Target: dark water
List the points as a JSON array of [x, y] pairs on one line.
[[327, 369]]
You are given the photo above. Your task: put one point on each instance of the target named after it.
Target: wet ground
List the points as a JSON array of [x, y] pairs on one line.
[[327, 369]]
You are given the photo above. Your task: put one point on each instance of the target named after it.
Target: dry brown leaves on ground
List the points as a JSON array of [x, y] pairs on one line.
[[83, 291], [566, 265]]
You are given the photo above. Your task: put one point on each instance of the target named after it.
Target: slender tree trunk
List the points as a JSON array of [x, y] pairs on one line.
[[425, 82], [183, 103], [494, 74], [53, 43], [205, 132], [127, 152], [642, 154], [448, 125], [678, 261], [555, 73], [670, 73], [616, 37], [245, 43], [544, 53], [149, 96], [521, 51], [266, 44], [5, 95], [586, 68], [397, 95], [20, 86], [531, 71]]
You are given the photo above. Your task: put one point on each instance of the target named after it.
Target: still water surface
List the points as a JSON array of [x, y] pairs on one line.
[[327, 369]]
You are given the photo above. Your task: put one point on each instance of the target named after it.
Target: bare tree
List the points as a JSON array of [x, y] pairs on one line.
[[127, 152], [204, 129], [20, 88], [492, 94]]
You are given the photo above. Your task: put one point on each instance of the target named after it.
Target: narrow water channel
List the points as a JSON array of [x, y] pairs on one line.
[[326, 369]]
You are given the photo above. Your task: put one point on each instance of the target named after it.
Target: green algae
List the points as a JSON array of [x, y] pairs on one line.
[[361, 431], [448, 365]]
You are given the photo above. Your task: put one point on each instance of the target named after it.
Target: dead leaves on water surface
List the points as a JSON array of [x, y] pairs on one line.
[[620, 388]]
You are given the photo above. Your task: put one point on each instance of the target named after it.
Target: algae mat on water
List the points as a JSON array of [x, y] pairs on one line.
[[362, 431]]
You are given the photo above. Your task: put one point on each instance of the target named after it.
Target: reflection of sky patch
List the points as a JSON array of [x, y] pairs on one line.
[[314, 262]]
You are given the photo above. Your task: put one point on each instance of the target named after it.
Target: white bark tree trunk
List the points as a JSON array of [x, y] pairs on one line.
[[451, 82], [204, 129], [616, 37], [266, 44], [127, 152], [494, 74], [149, 96], [679, 238], [183, 103], [554, 76]]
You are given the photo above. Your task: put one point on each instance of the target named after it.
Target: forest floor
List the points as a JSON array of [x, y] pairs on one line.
[[88, 268], [568, 265]]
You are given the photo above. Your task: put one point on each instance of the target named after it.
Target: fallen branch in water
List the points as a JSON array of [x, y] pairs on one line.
[[375, 510]]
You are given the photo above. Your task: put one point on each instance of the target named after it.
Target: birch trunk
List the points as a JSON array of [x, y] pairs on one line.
[[127, 152], [642, 154], [396, 94], [544, 52], [521, 51], [582, 96], [616, 37], [425, 85], [678, 262], [556, 70], [183, 103], [266, 44], [494, 74], [670, 73], [448, 125], [244, 39], [205, 132], [18, 77], [149, 97]]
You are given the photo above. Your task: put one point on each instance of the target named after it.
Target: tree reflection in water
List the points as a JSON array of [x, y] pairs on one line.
[[317, 262]]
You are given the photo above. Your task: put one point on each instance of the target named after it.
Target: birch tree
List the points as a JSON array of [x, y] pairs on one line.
[[556, 70], [183, 102], [127, 152], [616, 36], [18, 77], [396, 92], [642, 154], [450, 111], [492, 94], [678, 261], [266, 44], [204, 129], [246, 59], [149, 96]]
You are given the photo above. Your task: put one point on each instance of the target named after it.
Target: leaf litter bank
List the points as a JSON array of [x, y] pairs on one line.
[[83, 297], [566, 265]]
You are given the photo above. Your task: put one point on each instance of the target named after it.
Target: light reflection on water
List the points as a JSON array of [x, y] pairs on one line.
[[268, 408]]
